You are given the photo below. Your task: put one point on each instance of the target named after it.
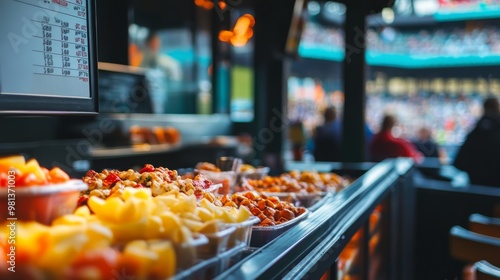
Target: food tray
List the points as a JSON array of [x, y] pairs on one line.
[[253, 174], [243, 232], [187, 252], [41, 203], [306, 200], [217, 242], [263, 235]]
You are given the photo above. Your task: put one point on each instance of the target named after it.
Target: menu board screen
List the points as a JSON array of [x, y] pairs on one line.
[[46, 51]]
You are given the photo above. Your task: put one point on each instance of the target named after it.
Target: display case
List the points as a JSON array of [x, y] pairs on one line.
[[316, 246]]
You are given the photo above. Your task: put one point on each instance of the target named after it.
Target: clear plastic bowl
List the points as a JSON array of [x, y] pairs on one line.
[[306, 200], [255, 174], [217, 242], [188, 252], [243, 232], [41, 203], [262, 235], [226, 178], [213, 189]]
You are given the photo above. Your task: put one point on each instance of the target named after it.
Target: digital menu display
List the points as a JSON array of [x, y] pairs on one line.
[[46, 51]]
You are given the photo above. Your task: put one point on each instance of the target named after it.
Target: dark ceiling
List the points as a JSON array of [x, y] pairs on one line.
[[158, 14]]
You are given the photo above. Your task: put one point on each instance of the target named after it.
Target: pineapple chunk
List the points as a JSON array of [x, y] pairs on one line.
[[32, 166], [164, 267], [17, 161]]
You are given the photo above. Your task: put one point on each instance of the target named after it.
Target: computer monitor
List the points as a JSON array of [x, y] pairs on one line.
[[123, 90], [48, 62]]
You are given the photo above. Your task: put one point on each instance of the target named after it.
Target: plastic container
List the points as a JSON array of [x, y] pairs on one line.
[[306, 200], [318, 203], [217, 242], [243, 232], [214, 189], [41, 203], [188, 252], [263, 235], [212, 267], [186, 173], [226, 178], [202, 270], [232, 256], [253, 174]]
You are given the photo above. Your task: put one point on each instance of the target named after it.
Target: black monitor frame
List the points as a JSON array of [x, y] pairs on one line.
[[48, 105]]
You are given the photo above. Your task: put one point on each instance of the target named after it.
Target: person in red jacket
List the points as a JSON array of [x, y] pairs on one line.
[[385, 145]]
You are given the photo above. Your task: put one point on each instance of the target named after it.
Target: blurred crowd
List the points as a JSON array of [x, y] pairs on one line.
[[439, 41], [452, 42], [448, 117]]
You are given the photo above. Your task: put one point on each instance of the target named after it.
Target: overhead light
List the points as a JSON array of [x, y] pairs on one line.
[[313, 8], [425, 7], [241, 33], [142, 33], [335, 8], [388, 15]]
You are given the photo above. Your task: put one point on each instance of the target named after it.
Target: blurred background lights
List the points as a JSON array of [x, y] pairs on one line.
[[334, 8], [313, 8], [388, 15]]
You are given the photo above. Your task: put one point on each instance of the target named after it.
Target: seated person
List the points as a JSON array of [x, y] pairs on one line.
[[385, 145], [427, 146], [480, 153]]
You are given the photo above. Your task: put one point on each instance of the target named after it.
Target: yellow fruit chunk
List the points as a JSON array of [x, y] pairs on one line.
[[164, 267], [133, 209], [204, 214], [243, 214], [159, 208], [96, 204], [66, 242], [32, 166], [166, 200], [184, 204], [32, 239], [106, 210], [99, 236], [137, 256], [70, 220], [16, 161], [181, 235], [190, 216], [154, 228], [216, 211], [171, 223], [65, 233], [143, 193], [136, 244], [226, 215], [210, 227], [114, 204], [194, 226], [127, 232], [82, 211]]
